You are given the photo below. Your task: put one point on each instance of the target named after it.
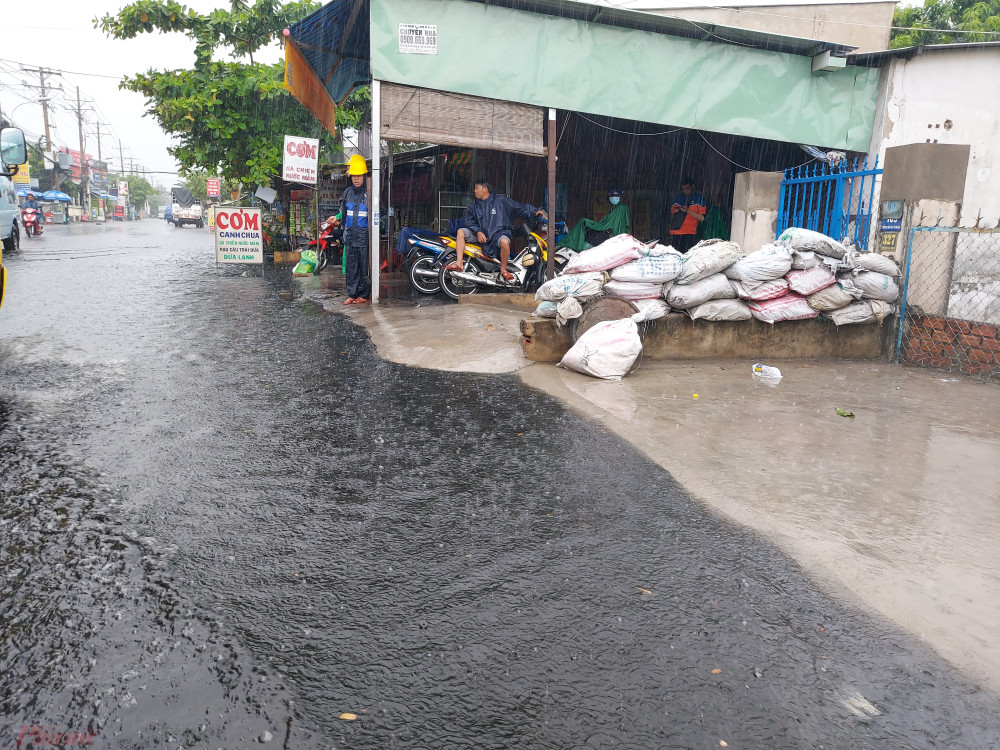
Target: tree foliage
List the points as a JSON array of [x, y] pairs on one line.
[[946, 22], [228, 118]]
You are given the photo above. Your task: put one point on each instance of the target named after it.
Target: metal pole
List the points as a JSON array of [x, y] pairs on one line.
[[319, 181], [84, 188], [550, 238], [373, 209], [392, 222]]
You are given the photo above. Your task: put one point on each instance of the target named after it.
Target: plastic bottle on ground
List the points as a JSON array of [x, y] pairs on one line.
[[766, 371]]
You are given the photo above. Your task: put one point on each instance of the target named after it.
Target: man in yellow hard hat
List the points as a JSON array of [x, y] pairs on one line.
[[354, 215]]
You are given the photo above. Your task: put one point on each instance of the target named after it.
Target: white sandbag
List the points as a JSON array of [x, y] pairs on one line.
[[655, 268], [634, 289], [706, 258], [875, 285], [605, 351], [790, 307], [546, 309], [856, 312], [769, 263], [834, 296], [806, 239], [762, 291], [581, 285], [881, 309], [658, 250], [611, 253], [811, 281], [720, 309], [568, 309], [650, 309], [803, 260], [878, 263], [686, 296]]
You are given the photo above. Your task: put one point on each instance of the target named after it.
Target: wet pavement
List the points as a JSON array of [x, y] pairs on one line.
[[226, 521]]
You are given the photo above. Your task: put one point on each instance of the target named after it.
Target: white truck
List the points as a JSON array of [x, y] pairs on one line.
[[184, 209]]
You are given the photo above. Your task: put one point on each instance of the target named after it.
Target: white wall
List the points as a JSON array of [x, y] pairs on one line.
[[949, 96]]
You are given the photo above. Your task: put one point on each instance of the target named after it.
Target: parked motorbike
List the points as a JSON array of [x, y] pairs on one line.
[[421, 262], [32, 222], [331, 246], [480, 271]]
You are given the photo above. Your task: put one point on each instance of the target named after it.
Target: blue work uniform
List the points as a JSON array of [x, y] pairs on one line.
[[354, 215]]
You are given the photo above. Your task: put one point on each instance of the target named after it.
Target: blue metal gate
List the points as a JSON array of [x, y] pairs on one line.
[[836, 201]]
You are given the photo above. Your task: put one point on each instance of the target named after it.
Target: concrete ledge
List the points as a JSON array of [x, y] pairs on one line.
[[504, 300], [678, 337], [285, 256]]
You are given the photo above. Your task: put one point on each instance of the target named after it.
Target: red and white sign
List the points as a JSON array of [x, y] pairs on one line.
[[301, 160], [212, 186], [239, 235]]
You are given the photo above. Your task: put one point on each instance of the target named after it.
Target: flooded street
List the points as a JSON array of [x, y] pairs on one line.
[[226, 522]]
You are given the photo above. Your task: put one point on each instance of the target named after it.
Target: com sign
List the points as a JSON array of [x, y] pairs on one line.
[[238, 235]]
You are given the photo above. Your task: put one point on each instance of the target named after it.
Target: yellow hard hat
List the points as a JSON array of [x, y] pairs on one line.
[[357, 165]]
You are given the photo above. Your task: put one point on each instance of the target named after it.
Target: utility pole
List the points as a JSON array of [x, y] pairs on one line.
[[42, 73], [84, 188]]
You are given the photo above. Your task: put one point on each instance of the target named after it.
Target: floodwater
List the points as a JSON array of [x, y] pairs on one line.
[[226, 522]]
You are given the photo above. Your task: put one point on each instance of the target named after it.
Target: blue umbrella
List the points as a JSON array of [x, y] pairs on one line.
[[56, 195], [22, 193]]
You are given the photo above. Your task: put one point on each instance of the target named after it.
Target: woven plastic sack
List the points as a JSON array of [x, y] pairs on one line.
[[789, 307], [762, 291], [582, 285], [654, 268], [878, 263], [650, 309], [834, 296], [607, 350], [769, 263], [856, 312], [876, 286], [720, 309], [803, 260], [706, 258], [612, 253], [545, 309], [634, 289], [811, 281], [687, 296], [806, 239], [568, 309]]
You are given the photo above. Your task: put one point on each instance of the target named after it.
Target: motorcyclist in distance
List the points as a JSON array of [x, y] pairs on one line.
[[30, 202]]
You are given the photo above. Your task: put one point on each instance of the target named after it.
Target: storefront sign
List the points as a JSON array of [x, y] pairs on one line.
[[301, 159], [122, 191], [23, 176], [212, 186], [418, 39], [238, 235]]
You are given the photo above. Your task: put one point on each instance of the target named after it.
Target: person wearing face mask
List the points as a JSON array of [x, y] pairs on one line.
[[590, 232]]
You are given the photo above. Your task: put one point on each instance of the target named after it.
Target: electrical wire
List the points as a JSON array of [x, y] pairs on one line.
[[736, 163], [623, 132]]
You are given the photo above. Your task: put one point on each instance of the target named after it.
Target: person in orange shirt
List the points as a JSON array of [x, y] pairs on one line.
[[686, 214]]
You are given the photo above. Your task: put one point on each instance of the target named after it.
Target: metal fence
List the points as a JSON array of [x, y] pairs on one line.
[[950, 304]]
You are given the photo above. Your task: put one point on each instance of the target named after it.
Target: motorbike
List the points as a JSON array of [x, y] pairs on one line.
[[31, 219], [421, 261], [480, 271], [330, 245]]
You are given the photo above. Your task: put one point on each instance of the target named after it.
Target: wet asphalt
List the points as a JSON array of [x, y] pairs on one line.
[[225, 522]]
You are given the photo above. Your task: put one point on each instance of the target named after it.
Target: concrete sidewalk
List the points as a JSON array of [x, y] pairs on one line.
[[897, 510]]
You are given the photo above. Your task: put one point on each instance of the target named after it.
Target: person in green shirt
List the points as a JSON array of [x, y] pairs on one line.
[[590, 232]]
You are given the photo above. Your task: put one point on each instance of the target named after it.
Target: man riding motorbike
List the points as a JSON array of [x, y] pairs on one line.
[[39, 216]]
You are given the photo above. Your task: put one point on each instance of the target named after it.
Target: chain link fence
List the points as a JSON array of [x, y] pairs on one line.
[[950, 306]]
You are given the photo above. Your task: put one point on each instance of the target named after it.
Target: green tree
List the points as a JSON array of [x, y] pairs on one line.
[[228, 118], [946, 22]]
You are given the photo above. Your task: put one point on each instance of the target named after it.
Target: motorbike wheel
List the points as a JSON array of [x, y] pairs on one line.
[[27, 231], [322, 261], [455, 288], [13, 243], [423, 284]]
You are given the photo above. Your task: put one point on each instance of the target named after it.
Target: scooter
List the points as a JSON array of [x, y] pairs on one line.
[[330, 245], [32, 224], [421, 263]]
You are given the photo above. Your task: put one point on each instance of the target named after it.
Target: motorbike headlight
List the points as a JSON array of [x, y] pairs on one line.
[[529, 261]]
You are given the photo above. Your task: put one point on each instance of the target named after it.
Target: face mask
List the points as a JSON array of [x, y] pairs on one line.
[[614, 200]]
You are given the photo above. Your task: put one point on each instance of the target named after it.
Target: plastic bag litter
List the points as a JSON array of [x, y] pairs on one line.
[[878, 263], [568, 309], [546, 309], [617, 251], [834, 296], [862, 311], [582, 285], [715, 286], [706, 258], [762, 291], [655, 268], [874, 285], [650, 309], [720, 310], [806, 239], [803, 260], [634, 289], [605, 351], [306, 265], [769, 263], [811, 281], [789, 307]]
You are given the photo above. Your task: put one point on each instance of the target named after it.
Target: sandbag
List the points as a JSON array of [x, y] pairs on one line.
[[856, 312], [790, 307], [764, 290], [706, 258], [803, 260], [581, 285], [658, 250], [546, 309], [878, 263], [607, 350], [881, 309], [567, 310], [609, 254], [715, 286], [834, 296], [875, 285], [806, 239], [634, 289], [650, 309], [769, 263], [811, 281], [720, 309], [655, 268]]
